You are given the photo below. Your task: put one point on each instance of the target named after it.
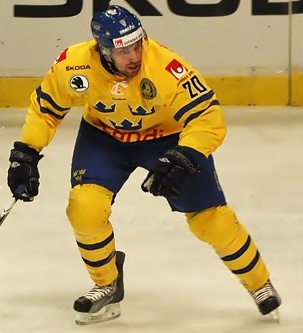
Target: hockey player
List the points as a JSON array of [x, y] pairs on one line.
[[145, 106]]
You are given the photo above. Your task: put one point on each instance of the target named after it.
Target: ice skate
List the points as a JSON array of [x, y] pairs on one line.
[[267, 300], [102, 303]]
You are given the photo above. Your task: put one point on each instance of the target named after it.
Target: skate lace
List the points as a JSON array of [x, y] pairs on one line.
[[98, 293], [263, 293]]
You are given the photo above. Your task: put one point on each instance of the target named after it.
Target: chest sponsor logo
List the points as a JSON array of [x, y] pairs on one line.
[[130, 136], [79, 83], [176, 69]]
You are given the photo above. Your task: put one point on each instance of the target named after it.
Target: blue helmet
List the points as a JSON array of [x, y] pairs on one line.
[[116, 27]]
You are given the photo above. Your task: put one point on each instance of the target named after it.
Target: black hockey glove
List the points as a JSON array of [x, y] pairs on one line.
[[23, 175], [169, 175]]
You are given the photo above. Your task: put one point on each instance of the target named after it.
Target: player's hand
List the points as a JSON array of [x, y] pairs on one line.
[[23, 175], [169, 175]]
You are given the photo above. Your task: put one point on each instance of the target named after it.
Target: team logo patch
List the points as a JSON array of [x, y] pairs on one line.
[[148, 89], [79, 83], [176, 69], [61, 56]]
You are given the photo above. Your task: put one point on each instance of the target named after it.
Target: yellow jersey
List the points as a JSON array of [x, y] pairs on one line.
[[167, 96]]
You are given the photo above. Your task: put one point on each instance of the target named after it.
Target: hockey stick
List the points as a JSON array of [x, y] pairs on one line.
[[7, 210], [20, 189]]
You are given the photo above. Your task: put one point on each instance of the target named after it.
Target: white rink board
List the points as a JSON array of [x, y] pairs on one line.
[[241, 43], [173, 282]]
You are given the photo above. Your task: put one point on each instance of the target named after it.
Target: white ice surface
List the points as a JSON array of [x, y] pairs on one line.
[[174, 283]]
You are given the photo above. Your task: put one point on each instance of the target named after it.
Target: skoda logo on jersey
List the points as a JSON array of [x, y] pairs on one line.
[[148, 89], [79, 83]]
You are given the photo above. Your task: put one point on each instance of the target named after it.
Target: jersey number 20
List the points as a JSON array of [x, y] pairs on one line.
[[194, 86]]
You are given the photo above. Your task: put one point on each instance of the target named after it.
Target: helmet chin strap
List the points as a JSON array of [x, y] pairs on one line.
[[107, 62]]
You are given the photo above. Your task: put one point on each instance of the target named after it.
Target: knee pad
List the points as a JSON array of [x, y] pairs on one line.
[[216, 226], [89, 208]]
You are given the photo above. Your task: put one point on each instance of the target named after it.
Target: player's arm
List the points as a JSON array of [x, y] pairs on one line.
[[201, 116], [204, 129], [50, 103]]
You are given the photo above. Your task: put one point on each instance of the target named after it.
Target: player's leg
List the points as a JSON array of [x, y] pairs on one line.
[[212, 221], [88, 211], [98, 172], [220, 228]]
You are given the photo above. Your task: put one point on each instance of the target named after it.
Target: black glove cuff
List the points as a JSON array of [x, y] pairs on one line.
[[23, 153], [181, 156]]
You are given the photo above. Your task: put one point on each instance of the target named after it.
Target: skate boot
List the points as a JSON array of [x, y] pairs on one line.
[[267, 300], [102, 303]]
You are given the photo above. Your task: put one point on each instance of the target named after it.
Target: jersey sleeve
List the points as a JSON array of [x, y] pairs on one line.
[[49, 104], [199, 113]]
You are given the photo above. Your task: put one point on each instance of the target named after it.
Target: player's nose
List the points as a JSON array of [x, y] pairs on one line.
[[135, 55]]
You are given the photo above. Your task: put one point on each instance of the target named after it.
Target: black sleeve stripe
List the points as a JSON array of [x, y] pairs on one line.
[[48, 111], [197, 114], [47, 97], [192, 104]]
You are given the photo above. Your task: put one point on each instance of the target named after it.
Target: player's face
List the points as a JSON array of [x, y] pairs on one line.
[[128, 59]]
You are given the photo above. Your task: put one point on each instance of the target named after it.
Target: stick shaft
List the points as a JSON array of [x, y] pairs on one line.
[[7, 210]]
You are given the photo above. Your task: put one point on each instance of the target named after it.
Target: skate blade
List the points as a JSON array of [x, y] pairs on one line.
[[108, 312]]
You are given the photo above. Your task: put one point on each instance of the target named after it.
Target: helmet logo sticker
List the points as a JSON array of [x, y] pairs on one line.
[[129, 39], [117, 88], [118, 42], [128, 28], [148, 89], [176, 69], [79, 83]]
